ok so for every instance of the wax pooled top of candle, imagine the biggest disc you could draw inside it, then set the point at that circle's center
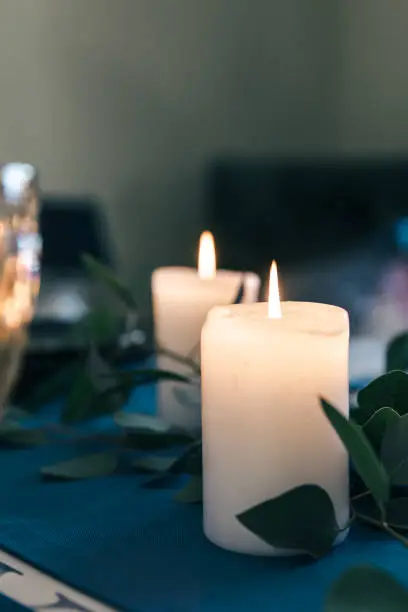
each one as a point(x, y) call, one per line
point(307, 317)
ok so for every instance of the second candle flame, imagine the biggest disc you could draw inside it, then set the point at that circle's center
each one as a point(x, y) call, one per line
point(274, 305)
point(207, 267)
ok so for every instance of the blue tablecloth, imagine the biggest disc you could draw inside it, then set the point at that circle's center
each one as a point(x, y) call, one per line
point(7, 605)
point(140, 550)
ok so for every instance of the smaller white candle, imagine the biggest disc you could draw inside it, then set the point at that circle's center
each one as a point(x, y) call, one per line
point(264, 433)
point(181, 299)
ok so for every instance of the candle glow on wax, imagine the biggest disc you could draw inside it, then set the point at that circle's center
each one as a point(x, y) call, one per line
point(274, 305)
point(207, 267)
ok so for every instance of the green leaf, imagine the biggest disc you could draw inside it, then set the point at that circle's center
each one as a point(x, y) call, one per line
point(100, 326)
point(16, 413)
point(377, 424)
point(189, 397)
point(192, 492)
point(13, 434)
point(301, 519)
point(137, 420)
point(89, 466)
point(189, 462)
point(101, 374)
point(367, 589)
point(388, 390)
point(93, 391)
point(148, 440)
point(394, 451)
point(81, 397)
point(145, 432)
point(361, 452)
point(154, 463)
point(367, 510)
point(396, 512)
point(168, 468)
point(397, 353)
point(107, 277)
point(51, 388)
point(146, 377)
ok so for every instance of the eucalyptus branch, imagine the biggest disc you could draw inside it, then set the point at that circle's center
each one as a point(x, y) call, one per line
point(187, 361)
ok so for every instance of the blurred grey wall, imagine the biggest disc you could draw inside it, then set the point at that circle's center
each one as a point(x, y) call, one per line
point(372, 77)
point(128, 99)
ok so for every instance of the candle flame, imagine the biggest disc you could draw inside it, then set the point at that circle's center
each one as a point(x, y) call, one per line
point(274, 305)
point(207, 267)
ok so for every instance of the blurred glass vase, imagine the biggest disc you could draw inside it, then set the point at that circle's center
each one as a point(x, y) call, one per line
point(20, 252)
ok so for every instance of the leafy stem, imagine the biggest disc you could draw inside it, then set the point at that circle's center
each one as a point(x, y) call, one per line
point(187, 361)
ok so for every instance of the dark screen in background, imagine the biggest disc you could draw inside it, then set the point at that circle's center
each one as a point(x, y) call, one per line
point(70, 228)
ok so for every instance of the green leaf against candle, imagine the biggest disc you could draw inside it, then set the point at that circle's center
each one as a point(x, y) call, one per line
point(142, 376)
point(301, 519)
point(377, 424)
point(361, 453)
point(192, 492)
point(397, 353)
point(145, 432)
point(166, 469)
point(394, 451)
point(88, 466)
point(366, 589)
point(388, 390)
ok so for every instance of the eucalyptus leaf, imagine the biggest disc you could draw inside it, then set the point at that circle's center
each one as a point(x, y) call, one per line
point(81, 468)
point(106, 276)
point(397, 353)
point(394, 451)
point(100, 326)
point(162, 480)
point(16, 414)
point(397, 513)
point(13, 434)
point(192, 492)
point(149, 440)
point(146, 432)
point(302, 519)
point(99, 371)
point(93, 392)
point(167, 468)
point(142, 376)
point(361, 453)
point(366, 508)
point(80, 400)
point(154, 463)
point(377, 424)
point(388, 390)
point(137, 420)
point(50, 388)
point(188, 397)
point(367, 589)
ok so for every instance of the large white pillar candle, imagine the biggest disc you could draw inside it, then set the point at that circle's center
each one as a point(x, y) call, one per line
point(181, 299)
point(263, 429)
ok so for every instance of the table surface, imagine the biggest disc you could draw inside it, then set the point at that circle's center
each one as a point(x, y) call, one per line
point(139, 550)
